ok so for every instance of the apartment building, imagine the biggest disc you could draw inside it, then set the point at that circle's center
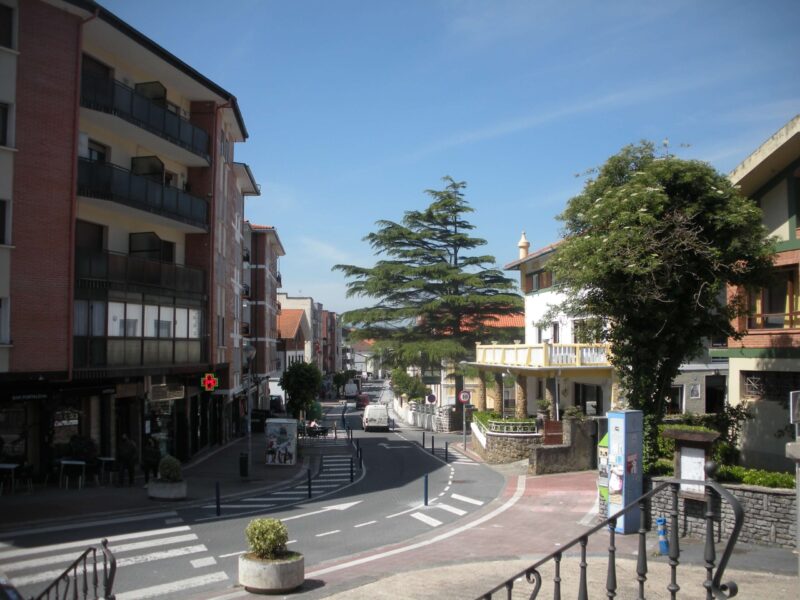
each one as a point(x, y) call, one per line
point(765, 362)
point(313, 312)
point(122, 238)
point(331, 343)
point(261, 307)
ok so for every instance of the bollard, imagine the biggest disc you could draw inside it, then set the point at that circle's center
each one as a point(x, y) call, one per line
point(351, 469)
point(423, 439)
point(334, 431)
point(432, 448)
point(425, 493)
point(445, 451)
point(360, 461)
point(663, 542)
point(358, 445)
point(309, 482)
point(219, 508)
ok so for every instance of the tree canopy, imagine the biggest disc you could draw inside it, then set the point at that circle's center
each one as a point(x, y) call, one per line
point(301, 382)
point(433, 297)
point(649, 246)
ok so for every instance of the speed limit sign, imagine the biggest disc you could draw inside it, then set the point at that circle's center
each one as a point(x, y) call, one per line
point(464, 397)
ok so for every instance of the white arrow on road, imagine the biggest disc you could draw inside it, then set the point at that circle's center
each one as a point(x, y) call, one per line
point(344, 506)
point(394, 446)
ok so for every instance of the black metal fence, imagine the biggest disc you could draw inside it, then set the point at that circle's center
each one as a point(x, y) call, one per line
point(89, 576)
point(713, 584)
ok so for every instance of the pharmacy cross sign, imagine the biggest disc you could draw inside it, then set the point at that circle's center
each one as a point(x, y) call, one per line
point(209, 382)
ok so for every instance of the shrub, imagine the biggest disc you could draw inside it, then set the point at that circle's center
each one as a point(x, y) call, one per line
point(169, 469)
point(574, 412)
point(663, 466)
point(770, 479)
point(267, 538)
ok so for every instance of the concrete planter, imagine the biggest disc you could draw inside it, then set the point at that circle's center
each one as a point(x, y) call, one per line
point(271, 576)
point(167, 490)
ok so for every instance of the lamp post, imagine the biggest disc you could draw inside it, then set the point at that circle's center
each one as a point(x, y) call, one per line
point(249, 352)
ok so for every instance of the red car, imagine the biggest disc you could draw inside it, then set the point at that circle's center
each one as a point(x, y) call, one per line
point(362, 400)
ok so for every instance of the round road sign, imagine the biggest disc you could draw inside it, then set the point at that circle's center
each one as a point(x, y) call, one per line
point(464, 397)
point(431, 398)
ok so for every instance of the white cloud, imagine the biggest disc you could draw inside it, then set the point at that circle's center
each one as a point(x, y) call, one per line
point(321, 251)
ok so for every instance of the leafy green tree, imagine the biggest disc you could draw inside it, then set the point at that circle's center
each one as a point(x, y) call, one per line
point(403, 383)
point(433, 297)
point(301, 382)
point(649, 246)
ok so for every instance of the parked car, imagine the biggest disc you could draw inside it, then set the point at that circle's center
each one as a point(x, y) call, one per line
point(376, 416)
point(362, 400)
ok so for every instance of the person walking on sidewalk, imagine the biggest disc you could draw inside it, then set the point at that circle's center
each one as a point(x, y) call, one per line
point(151, 456)
point(126, 454)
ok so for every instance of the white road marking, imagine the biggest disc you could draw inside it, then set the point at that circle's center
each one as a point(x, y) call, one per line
point(233, 554)
point(173, 521)
point(344, 506)
point(405, 512)
point(49, 560)
point(124, 562)
point(452, 509)
point(448, 534)
point(204, 562)
point(239, 506)
point(426, 519)
point(466, 499)
point(35, 530)
point(590, 516)
point(287, 494)
point(174, 586)
point(329, 533)
point(364, 524)
point(89, 542)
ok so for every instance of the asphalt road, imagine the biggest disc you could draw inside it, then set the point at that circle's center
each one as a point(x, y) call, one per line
point(191, 553)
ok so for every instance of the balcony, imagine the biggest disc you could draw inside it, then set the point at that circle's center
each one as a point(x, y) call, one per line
point(125, 270)
point(245, 290)
point(245, 329)
point(110, 182)
point(121, 354)
point(246, 255)
point(774, 321)
point(118, 100)
point(543, 357)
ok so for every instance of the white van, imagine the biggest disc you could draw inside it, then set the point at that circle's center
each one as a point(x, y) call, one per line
point(376, 416)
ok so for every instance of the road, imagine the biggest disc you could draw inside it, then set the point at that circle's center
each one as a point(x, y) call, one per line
point(190, 552)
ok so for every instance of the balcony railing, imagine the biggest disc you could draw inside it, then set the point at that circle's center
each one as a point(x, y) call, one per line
point(111, 96)
point(790, 320)
point(114, 267)
point(110, 182)
point(543, 355)
point(245, 290)
point(117, 352)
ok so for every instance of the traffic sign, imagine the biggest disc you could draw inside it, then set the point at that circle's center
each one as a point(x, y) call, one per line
point(431, 398)
point(464, 397)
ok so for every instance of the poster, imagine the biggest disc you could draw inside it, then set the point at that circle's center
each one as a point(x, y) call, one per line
point(281, 437)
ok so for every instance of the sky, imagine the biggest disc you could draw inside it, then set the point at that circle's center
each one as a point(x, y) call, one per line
point(356, 107)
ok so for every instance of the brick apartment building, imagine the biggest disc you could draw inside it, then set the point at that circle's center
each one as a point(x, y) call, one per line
point(121, 239)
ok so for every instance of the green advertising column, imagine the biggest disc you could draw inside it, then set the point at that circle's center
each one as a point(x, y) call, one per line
point(602, 468)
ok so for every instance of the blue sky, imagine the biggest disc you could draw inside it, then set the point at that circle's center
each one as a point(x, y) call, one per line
point(355, 107)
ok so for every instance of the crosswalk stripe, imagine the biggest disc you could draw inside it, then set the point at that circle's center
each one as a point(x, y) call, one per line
point(124, 562)
point(298, 494)
point(174, 586)
point(466, 499)
point(452, 509)
point(89, 542)
point(49, 560)
point(426, 519)
point(240, 506)
point(206, 561)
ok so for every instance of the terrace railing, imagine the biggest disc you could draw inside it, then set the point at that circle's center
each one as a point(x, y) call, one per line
point(89, 576)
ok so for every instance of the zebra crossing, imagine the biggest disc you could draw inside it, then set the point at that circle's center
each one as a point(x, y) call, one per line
point(334, 473)
point(31, 569)
point(460, 507)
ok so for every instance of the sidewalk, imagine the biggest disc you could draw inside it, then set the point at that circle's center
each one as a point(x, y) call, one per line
point(219, 465)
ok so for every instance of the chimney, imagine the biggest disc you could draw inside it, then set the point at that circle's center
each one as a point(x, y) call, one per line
point(524, 245)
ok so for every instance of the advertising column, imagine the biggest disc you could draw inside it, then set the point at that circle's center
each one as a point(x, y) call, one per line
point(625, 466)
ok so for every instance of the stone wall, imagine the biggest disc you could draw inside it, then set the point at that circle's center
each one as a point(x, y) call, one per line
point(770, 514)
point(500, 448)
point(575, 454)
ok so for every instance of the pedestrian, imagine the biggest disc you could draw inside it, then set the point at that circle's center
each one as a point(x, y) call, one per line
point(126, 455)
point(151, 456)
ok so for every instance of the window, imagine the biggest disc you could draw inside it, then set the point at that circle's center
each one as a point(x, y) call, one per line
point(3, 209)
point(555, 333)
point(6, 26)
point(3, 124)
point(777, 306)
point(5, 334)
point(98, 152)
point(675, 400)
point(538, 280)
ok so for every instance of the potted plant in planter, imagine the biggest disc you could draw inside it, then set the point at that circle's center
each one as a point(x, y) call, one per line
point(543, 410)
point(169, 485)
point(269, 567)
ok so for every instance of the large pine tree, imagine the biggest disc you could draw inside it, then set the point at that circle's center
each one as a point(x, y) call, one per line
point(433, 297)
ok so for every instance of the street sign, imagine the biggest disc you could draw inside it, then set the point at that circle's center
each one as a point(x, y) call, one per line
point(794, 408)
point(464, 397)
point(431, 398)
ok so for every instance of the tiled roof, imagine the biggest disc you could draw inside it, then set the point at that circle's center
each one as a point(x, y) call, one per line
point(512, 320)
point(532, 255)
point(289, 322)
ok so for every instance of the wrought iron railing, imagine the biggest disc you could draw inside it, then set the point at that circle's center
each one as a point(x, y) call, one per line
point(82, 579)
point(713, 584)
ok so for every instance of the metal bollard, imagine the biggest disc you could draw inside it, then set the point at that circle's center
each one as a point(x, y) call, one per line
point(423, 439)
point(351, 469)
point(360, 461)
point(309, 482)
point(663, 542)
point(425, 493)
point(446, 444)
point(219, 508)
point(334, 431)
point(432, 448)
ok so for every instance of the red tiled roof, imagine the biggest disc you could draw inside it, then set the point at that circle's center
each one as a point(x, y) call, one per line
point(512, 320)
point(289, 321)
